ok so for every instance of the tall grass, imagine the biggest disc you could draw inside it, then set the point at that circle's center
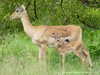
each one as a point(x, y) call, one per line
point(19, 56)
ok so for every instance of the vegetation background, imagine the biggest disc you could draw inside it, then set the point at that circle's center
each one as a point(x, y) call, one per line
point(18, 56)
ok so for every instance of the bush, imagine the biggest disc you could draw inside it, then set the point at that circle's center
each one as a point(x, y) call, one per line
point(92, 18)
point(48, 13)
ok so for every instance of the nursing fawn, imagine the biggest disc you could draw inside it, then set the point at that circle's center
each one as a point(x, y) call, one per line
point(77, 47)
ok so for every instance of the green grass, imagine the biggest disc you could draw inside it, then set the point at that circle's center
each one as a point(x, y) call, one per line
point(19, 56)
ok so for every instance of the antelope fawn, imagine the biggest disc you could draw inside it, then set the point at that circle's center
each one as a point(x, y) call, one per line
point(77, 47)
point(42, 35)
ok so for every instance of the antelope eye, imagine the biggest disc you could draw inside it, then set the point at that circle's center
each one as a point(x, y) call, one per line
point(16, 10)
point(57, 40)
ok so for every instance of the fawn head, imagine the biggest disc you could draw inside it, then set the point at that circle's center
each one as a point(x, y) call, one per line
point(18, 13)
point(58, 40)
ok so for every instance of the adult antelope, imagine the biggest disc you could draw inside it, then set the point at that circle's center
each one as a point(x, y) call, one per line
point(42, 35)
point(77, 47)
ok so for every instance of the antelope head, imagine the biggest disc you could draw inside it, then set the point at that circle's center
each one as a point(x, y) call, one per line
point(18, 13)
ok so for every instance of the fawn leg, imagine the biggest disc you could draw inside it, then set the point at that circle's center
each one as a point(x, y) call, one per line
point(78, 54)
point(63, 62)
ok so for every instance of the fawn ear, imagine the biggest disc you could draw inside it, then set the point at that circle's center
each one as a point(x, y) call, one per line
point(54, 36)
point(67, 40)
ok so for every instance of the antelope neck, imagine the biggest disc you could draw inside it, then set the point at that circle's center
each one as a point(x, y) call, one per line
point(28, 28)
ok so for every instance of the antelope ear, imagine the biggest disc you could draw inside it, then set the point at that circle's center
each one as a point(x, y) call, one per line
point(54, 36)
point(67, 40)
point(23, 7)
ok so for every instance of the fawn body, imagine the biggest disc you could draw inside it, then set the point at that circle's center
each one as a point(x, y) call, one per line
point(77, 47)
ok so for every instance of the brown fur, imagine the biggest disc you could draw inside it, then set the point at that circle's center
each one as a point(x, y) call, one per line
point(76, 47)
point(42, 35)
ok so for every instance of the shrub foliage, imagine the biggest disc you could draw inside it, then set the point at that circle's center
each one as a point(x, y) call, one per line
point(48, 12)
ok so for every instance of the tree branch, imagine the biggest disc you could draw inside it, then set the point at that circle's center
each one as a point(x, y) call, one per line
point(35, 9)
point(27, 4)
point(87, 24)
point(61, 4)
point(91, 3)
